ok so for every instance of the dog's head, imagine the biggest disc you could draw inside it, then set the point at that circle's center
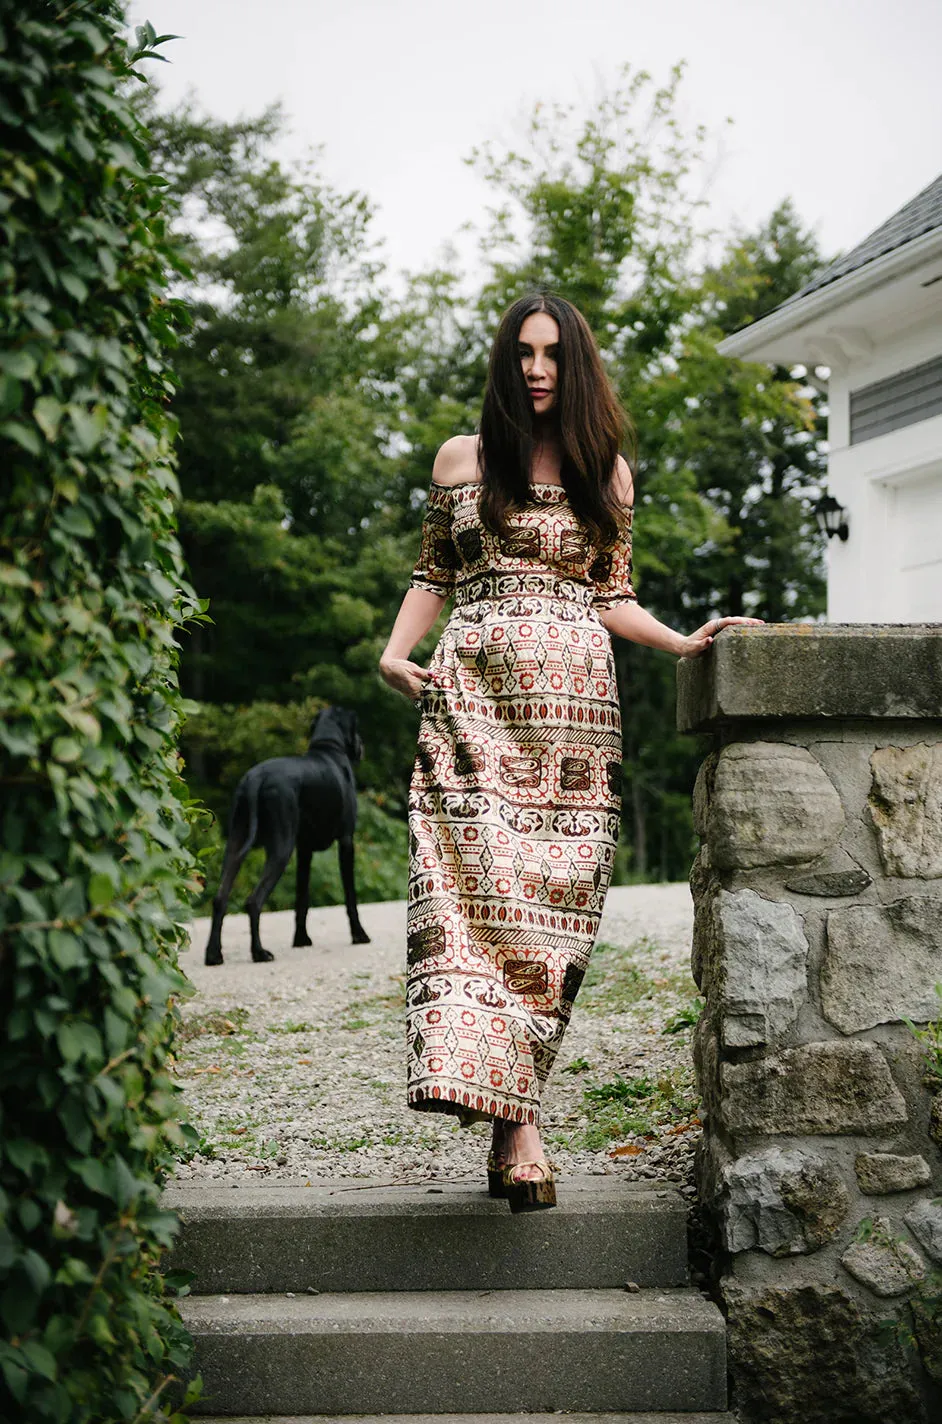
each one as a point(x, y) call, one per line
point(338, 724)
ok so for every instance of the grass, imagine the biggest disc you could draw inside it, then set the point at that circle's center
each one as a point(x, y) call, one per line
point(639, 1106)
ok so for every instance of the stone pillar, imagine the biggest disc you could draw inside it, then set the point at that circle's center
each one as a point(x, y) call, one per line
point(817, 935)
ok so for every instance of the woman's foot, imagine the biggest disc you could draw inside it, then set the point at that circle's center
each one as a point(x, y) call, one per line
point(527, 1178)
point(514, 1142)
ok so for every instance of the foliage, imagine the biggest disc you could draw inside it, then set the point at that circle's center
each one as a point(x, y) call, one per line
point(304, 375)
point(91, 821)
point(596, 206)
point(930, 1036)
point(641, 1105)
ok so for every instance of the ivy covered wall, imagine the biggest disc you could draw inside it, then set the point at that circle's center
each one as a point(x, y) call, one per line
point(92, 827)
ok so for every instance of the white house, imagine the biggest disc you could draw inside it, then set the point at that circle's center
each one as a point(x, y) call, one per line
point(874, 318)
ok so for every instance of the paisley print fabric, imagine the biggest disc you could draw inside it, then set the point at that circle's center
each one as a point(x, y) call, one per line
point(515, 798)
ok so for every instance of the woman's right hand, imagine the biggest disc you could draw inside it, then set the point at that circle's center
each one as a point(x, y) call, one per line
point(404, 676)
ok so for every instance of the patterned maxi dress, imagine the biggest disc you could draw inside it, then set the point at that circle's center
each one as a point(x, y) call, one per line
point(515, 798)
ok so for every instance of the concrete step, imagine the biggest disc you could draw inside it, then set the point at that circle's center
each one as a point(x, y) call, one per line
point(645, 1418)
point(373, 1238)
point(442, 1352)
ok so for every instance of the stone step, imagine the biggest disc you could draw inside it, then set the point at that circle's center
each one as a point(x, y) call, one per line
point(645, 1418)
point(447, 1352)
point(375, 1238)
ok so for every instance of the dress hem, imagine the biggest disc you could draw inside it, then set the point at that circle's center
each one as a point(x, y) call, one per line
point(470, 1107)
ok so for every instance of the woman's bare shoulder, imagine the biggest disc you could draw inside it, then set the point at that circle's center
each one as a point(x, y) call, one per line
point(457, 461)
point(623, 482)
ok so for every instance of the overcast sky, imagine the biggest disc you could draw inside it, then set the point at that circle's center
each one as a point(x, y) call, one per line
point(836, 103)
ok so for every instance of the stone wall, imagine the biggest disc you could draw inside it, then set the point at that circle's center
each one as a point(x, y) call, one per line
point(818, 933)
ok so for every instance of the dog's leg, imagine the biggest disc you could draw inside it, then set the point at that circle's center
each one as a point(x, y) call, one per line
point(230, 869)
point(302, 894)
point(276, 859)
point(345, 849)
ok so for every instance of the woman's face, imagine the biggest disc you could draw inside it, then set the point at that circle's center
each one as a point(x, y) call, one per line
point(538, 345)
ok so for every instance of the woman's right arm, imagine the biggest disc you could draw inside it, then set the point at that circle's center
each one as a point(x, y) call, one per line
point(433, 578)
point(417, 614)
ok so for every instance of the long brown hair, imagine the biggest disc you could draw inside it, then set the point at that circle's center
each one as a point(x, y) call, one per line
point(592, 423)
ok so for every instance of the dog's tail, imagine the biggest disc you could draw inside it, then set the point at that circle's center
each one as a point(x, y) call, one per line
point(247, 790)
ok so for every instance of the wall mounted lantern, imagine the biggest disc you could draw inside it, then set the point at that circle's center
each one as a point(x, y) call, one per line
point(831, 517)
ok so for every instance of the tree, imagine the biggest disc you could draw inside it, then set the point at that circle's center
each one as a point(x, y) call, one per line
point(596, 208)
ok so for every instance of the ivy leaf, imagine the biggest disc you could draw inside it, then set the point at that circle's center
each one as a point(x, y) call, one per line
point(47, 412)
point(39, 1359)
point(100, 891)
point(24, 436)
point(66, 749)
point(11, 394)
point(88, 425)
point(74, 286)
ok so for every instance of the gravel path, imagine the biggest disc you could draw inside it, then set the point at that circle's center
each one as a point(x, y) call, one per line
point(295, 1070)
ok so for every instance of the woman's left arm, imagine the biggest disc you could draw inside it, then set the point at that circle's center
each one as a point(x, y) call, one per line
point(616, 602)
point(629, 620)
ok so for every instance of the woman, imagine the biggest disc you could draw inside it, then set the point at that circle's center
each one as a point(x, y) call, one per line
point(514, 805)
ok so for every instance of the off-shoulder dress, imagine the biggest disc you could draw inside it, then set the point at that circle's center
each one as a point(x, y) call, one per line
point(514, 801)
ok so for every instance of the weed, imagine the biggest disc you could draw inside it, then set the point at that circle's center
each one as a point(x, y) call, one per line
point(291, 1027)
point(578, 1065)
point(217, 1023)
point(639, 1105)
point(685, 1017)
point(931, 1039)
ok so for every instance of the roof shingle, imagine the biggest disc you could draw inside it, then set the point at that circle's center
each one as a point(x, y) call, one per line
point(921, 214)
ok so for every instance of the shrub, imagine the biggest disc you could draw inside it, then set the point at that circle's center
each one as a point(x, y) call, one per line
point(93, 862)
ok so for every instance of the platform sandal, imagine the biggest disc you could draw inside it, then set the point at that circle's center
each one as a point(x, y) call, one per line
point(495, 1174)
point(529, 1194)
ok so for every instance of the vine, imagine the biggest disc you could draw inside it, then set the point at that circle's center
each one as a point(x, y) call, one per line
point(93, 865)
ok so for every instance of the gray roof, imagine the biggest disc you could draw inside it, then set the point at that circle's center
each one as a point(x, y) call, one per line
point(921, 214)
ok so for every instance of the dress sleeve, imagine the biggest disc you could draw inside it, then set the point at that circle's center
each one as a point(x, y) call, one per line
point(611, 570)
point(438, 559)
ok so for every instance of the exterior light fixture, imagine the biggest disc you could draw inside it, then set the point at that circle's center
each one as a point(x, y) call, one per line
point(831, 517)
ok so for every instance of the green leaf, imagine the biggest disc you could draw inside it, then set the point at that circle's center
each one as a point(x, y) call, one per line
point(74, 286)
point(39, 1359)
point(48, 192)
point(47, 412)
point(66, 949)
point(89, 426)
point(18, 363)
point(11, 394)
point(66, 749)
point(100, 891)
point(24, 436)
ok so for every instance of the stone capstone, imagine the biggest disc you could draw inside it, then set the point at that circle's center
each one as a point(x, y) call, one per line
point(783, 1202)
point(769, 804)
point(756, 966)
point(925, 1222)
point(881, 962)
point(879, 1172)
point(829, 1087)
point(823, 672)
point(885, 1265)
point(811, 1354)
point(906, 807)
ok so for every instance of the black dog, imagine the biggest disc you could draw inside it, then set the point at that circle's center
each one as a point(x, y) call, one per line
point(310, 800)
